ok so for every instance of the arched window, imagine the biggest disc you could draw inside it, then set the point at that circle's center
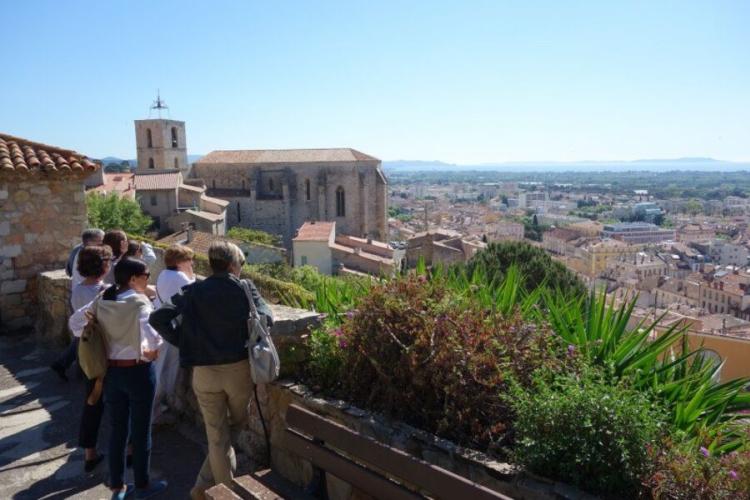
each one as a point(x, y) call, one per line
point(150, 163)
point(213, 183)
point(239, 213)
point(176, 163)
point(340, 202)
point(307, 189)
point(174, 137)
point(243, 185)
point(149, 140)
point(270, 185)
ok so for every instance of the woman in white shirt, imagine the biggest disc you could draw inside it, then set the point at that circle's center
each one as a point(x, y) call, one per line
point(132, 345)
point(178, 260)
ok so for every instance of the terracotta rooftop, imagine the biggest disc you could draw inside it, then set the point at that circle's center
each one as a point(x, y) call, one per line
point(286, 156)
point(200, 241)
point(154, 182)
point(315, 231)
point(121, 184)
point(21, 157)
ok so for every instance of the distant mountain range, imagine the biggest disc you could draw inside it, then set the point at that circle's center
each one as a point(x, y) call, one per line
point(655, 165)
point(134, 163)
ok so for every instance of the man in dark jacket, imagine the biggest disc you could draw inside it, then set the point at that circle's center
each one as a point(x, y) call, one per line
point(212, 337)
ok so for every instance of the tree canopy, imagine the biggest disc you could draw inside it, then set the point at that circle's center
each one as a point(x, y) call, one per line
point(535, 265)
point(113, 212)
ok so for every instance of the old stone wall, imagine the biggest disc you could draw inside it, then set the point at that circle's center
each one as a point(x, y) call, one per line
point(40, 222)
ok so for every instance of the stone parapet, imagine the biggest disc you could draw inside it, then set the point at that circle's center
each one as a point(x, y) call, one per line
point(476, 466)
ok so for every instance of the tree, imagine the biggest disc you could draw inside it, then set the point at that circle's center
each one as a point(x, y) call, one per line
point(535, 221)
point(535, 265)
point(113, 212)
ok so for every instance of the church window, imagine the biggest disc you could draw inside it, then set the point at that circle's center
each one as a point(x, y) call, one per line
point(307, 189)
point(174, 137)
point(270, 185)
point(243, 185)
point(340, 202)
point(150, 163)
point(176, 163)
point(153, 200)
point(149, 140)
point(213, 183)
point(239, 213)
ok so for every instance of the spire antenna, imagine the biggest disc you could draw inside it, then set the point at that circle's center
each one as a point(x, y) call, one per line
point(158, 104)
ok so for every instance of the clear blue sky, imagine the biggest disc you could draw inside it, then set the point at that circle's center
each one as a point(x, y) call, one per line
point(458, 81)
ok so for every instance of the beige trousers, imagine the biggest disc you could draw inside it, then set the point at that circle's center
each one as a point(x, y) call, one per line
point(223, 393)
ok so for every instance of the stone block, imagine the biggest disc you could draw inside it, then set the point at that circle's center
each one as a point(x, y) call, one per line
point(10, 250)
point(3, 194)
point(13, 286)
point(21, 196)
point(40, 190)
point(4, 228)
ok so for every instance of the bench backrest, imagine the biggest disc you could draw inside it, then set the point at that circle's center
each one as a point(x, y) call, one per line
point(328, 435)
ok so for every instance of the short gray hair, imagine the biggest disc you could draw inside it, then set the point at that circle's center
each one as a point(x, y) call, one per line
point(222, 254)
point(91, 234)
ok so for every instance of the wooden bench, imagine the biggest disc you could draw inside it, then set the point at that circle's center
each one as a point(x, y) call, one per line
point(368, 465)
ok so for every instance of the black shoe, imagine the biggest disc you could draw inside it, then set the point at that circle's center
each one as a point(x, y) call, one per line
point(129, 461)
point(60, 371)
point(90, 465)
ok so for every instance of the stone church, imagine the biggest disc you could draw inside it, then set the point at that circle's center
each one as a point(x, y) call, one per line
point(279, 190)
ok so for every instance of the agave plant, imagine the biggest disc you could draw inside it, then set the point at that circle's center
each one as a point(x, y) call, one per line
point(659, 362)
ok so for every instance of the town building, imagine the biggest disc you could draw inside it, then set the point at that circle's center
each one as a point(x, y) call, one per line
point(277, 191)
point(42, 215)
point(317, 244)
point(532, 199)
point(440, 246)
point(637, 232)
point(693, 233)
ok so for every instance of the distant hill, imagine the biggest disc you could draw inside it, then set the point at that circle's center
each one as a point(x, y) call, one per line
point(654, 165)
point(134, 163)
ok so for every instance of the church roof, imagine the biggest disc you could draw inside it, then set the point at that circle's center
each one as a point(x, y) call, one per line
point(315, 231)
point(21, 157)
point(286, 156)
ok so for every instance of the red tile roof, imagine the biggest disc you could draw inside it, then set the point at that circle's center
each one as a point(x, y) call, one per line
point(121, 184)
point(315, 231)
point(287, 156)
point(155, 182)
point(21, 157)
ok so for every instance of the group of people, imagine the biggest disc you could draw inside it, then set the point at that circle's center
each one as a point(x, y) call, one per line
point(149, 332)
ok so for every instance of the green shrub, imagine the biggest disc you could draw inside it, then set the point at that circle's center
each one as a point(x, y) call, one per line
point(412, 350)
point(685, 471)
point(680, 378)
point(534, 264)
point(253, 236)
point(586, 430)
point(324, 357)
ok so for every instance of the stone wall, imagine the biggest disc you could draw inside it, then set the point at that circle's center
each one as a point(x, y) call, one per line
point(41, 221)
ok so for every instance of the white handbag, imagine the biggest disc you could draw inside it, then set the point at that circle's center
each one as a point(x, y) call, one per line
point(264, 359)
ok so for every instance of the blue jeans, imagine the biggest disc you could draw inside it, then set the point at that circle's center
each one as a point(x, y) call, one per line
point(129, 398)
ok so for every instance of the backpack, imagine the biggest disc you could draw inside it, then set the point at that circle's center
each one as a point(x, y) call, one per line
point(264, 359)
point(92, 347)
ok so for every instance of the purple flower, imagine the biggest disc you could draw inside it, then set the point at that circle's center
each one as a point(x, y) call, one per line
point(342, 344)
point(704, 451)
point(349, 314)
point(733, 474)
point(571, 349)
point(337, 332)
point(422, 278)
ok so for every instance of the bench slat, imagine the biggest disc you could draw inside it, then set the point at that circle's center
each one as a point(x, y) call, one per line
point(436, 480)
point(346, 470)
point(221, 492)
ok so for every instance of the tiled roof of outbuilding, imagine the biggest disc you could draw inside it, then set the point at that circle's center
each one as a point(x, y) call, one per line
point(157, 181)
point(21, 157)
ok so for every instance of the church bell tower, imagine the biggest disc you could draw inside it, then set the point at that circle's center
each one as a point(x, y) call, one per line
point(160, 143)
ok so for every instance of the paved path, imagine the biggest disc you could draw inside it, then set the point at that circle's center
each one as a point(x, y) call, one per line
point(39, 418)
